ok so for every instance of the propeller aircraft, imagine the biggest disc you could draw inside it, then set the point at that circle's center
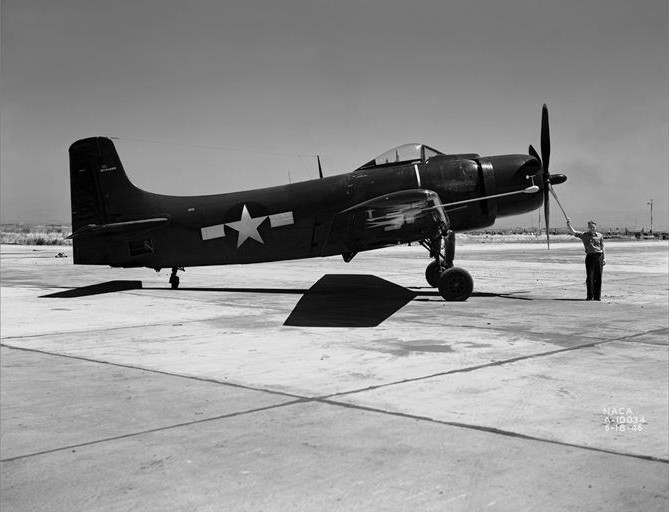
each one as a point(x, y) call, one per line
point(411, 193)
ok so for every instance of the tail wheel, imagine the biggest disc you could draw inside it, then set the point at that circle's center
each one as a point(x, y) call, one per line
point(432, 273)
point(455, 284)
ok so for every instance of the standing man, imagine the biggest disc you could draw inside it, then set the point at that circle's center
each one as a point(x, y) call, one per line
point(594, 258)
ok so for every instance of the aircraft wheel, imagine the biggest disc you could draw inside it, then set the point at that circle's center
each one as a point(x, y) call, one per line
point(455, 284)
point(432, 273)
point(174, 282)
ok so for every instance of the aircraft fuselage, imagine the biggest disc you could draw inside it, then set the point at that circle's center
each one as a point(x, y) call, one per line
point(299, 220)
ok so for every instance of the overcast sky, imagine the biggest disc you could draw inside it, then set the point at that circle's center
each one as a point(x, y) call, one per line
point(264, 84)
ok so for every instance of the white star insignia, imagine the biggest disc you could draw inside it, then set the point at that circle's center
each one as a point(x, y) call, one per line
point(247, 227)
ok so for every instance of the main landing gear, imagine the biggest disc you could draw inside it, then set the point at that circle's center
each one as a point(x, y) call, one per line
point(454, 283)
point(174, 278)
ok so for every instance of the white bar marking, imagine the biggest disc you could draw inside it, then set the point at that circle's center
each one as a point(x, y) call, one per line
point(281, 219)
point(209, 232)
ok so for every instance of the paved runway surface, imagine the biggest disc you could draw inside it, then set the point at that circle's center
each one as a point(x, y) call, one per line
point(127, 398)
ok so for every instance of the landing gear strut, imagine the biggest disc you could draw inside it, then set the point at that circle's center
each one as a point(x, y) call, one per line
point(174, 278)
point(454, 283)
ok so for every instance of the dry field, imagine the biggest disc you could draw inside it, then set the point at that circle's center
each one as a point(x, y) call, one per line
point(35, 234)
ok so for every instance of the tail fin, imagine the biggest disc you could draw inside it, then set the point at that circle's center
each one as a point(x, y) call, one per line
point(100, 190)
point(106, 207)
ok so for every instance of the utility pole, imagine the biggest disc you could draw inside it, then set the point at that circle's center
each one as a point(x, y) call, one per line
point(651, 215)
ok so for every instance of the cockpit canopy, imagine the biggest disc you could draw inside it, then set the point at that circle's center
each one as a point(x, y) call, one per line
point(402, 154)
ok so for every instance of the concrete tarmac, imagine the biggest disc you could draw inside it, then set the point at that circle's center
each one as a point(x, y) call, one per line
point(525, 397)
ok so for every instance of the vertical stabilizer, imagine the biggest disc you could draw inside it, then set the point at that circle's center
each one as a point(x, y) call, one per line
point(101, 194)
point(100, 189)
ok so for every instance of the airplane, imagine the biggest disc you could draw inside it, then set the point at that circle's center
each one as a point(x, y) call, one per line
point(411, 193)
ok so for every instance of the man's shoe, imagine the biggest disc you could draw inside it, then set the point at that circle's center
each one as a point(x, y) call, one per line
point(588, 298)
point(598, 300)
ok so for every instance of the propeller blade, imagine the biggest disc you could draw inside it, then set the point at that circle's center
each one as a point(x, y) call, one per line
point(546, 157)
point(533, 152)
point(547, 215)
point(545, 139)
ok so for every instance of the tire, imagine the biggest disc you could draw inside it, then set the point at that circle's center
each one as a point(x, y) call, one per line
point(432, 273)
point(455, 284)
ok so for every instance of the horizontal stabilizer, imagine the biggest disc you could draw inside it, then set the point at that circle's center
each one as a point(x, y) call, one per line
point(118, 227)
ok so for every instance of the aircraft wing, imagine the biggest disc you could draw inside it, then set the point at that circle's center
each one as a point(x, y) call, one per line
point(393, 211)
point(389, 219)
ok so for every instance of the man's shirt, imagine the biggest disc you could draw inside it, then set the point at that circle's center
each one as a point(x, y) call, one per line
point(593, 242)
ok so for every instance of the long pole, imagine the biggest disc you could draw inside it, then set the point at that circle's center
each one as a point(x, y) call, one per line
point(651, 216)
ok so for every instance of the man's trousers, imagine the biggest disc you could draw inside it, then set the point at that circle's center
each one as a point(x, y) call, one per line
point(594, 264)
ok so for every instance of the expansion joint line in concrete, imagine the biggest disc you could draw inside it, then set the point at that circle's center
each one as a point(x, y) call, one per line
point(494, 363)
point(154, 430)
point(328, 399)
point(158, 372)
point(490, 430)
point(104, 329)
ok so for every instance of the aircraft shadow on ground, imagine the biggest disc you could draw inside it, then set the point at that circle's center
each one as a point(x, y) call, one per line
point(335, 300)
point(438, 298)
point(96, 289)
point(338, 300)
point(293, 291)
point(349, 300)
